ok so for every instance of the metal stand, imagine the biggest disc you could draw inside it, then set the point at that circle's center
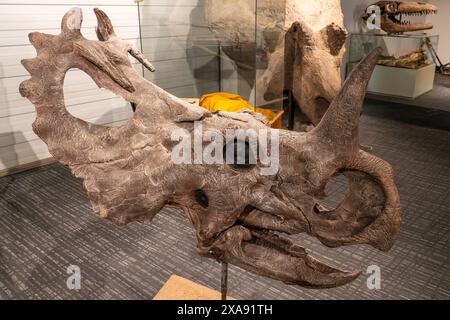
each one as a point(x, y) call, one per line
point(291, 58)
point(291, 111)
point(224, 281)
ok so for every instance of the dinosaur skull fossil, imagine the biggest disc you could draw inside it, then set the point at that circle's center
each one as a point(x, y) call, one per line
point(303, 39)
point(238, 213)
point(393, 12)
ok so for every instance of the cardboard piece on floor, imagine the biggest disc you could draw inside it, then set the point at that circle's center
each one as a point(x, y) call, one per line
point(179, 288)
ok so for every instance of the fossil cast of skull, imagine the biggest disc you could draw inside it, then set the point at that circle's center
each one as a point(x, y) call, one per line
point(239, 214)
point(394, 15)
point(300, 39)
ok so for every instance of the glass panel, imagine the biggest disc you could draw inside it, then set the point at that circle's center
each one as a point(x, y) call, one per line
point(206, 46)
point(270, 31)
point(395, 47)
point(178, 41)
point(233, 23)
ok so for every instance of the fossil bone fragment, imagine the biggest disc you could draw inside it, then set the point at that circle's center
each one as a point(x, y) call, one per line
point(238, 213)
point(393, 15)
point(303, 38)
point(414, 60)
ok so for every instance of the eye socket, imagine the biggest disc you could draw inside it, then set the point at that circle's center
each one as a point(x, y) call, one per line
point(391, 7)
point(201, 198)
point(239, 155)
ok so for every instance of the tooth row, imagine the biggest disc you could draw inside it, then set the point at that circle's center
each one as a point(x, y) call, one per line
point(419, 13)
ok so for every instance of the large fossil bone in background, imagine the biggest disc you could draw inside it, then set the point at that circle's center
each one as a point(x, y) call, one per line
point(237, 212)
point(314, 33)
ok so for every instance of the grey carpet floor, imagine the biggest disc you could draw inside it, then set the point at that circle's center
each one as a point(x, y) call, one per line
point(46, 224)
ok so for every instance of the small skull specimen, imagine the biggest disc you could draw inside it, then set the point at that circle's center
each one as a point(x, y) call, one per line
point(393, 15)
point(299, 47)
point(238, 213)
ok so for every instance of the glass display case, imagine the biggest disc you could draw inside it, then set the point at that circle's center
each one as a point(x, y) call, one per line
point(205, 47)
point(401, 51)
point(177, 40)
point(406, 67)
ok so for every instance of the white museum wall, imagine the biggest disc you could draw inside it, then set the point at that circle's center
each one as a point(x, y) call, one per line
point(353, 10)
point(167, 27)
point(441, 23)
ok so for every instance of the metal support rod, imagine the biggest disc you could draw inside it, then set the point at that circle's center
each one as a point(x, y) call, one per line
point(224, 281)
point(291, 111)
point(219, 63)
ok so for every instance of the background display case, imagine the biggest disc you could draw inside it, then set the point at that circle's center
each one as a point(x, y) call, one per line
point(197, 50)
point(406, 67)
point(177, 40)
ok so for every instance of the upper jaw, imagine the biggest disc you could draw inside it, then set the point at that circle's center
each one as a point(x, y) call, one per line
point(416, 8)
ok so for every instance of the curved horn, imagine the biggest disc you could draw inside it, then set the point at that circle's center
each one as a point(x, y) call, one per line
point(71, 22)
point(340, 123)
point(104, 28)
point(139, 56)
point(105, 31)
point(370, 213)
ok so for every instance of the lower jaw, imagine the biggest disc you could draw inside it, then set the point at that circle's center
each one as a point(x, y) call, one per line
point(411, 27)
point(271, 256)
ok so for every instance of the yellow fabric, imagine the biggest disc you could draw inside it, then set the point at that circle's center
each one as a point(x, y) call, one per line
point(230, 102)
